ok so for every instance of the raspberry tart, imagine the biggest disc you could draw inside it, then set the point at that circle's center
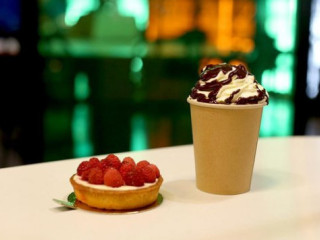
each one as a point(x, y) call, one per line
point(112, 184)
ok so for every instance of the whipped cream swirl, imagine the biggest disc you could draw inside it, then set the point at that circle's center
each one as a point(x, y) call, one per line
point(228, 84)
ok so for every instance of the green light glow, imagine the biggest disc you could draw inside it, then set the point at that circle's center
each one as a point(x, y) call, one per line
point(277, 118)
point(267, 80)
point(280, 79)
point(139, 9)
point(82, 145)
point(81, 86)
point(136, 71)
point(136, 64)
point(139, 136)
point(78, 8)
point(280, 23)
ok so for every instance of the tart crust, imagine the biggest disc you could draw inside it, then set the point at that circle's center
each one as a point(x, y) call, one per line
point(116, 199)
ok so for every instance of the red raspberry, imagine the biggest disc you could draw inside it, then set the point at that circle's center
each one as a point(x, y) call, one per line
point(142, 164)
point(138, 180)
point(104, 164)
point(148, 174)
point(105, 169)
point(113, 178)
point(94, 162)
point(86, 165)
point(128, 177)
point(95, 176)
point(125, 168)
point(134, 178)
point(85, 174)
point(112, 161)
point(83, 166)
point(155, 169)
point(128, 160)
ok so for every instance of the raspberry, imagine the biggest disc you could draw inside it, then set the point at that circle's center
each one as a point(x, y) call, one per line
point(104, 164)
point(85, 174)
point(134, 178)
point(83, 166)
point(128, 160)
point(128, 177)
point(142, 164)
point(94, 162)
point(104, 169)
point(95, 176)
point(138, 179)
point(112, 161)
point(155, 169)
point(86, 165)
point(149, 175)
point(125, 168)
point(113, 178)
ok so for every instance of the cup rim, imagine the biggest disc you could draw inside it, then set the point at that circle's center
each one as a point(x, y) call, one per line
point(225, 106)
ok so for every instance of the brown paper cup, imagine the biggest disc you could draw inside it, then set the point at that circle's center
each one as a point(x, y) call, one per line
point(225, 140)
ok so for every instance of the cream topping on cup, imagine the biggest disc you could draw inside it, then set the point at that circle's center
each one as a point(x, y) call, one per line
point(228, 84)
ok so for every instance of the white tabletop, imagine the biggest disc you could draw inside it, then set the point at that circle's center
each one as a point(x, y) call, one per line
point(284, 202)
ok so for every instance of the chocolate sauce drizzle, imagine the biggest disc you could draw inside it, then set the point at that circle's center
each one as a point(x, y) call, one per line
point(212, 71)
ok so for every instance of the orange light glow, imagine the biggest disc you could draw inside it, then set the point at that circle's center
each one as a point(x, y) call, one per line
point(225, 26)
point(169, 19)
point(229, 25)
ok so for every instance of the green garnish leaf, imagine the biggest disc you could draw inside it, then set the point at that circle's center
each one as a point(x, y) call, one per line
point(71, 203)
point(160, 198)
point(72, 198)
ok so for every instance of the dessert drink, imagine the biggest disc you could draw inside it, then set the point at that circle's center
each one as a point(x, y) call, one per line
point(226, 106)
point(114, 185)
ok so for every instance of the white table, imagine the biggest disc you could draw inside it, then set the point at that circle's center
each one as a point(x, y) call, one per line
point(284, 202)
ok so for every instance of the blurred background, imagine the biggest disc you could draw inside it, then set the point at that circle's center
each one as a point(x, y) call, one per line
point(88, 77)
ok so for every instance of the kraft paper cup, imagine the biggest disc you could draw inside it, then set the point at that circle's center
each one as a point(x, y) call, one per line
point(225, 140)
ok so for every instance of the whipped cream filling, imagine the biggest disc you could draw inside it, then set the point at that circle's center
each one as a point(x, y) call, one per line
point(78, 180)
point(228, 84)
